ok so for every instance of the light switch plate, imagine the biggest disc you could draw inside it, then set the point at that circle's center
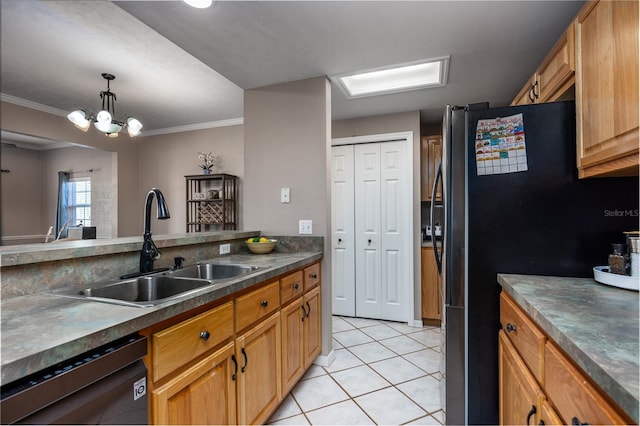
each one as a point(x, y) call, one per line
point(305, 227)
point(285, 195)
point(225, 248)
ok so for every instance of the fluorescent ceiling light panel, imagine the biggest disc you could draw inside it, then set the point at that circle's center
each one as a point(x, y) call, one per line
point(413, 76)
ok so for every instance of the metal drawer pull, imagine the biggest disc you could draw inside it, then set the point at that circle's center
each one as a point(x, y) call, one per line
point(531, 413)
point(235, 372)
point(314, 276)
point(264, 303)
point(296, 286)
point(246, 360)
point(576, 422)
point(309, 311)
point(511, 327)
point(204, 335)
point(304, 312)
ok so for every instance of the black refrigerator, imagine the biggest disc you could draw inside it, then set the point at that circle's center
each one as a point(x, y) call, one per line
point(525, 216)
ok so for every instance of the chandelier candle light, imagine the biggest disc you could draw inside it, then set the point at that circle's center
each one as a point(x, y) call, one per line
point(105, 120)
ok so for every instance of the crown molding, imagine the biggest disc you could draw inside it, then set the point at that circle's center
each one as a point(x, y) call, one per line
point(187, 128)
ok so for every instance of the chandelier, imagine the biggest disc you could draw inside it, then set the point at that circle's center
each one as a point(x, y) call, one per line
point(105, 120)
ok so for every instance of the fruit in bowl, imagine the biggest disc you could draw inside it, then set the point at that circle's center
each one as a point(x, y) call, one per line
point(261, 245)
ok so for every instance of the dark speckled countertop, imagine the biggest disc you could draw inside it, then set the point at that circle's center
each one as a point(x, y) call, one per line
point(596, 325)
point(40, 330)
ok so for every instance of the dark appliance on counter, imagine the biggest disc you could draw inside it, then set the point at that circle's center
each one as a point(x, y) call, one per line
point(105, 386)
point(543, 221)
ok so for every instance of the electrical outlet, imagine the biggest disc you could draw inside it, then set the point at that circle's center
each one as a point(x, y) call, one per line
point(225, 248)
point(305, 227)
point(285, 194)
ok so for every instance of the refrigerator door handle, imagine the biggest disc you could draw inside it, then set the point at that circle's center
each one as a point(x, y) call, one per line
point(436, 253)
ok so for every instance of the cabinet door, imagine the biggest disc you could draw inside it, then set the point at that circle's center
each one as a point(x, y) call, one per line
point(520, 395)
point(556, 74)
point(312, 326)
point(607, 88)
point(259, 384)
point(292, 317)
point(431, 286)
point(203, 394)
point(430, 157)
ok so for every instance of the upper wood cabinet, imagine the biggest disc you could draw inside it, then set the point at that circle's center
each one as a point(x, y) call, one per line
point(607, 88)
point(555, 76)
point(430, 157)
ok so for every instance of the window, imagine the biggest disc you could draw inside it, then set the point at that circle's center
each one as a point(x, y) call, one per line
point(79, 210)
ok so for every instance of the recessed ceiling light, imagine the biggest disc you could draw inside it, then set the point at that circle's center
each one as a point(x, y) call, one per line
point(399, 78)
point(200, 4)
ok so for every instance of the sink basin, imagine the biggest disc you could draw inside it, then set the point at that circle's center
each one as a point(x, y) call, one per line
point(141, 291)
point(162, 287)
point(213, 271)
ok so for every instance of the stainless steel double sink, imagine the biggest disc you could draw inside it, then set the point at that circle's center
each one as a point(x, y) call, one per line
point(161, 287)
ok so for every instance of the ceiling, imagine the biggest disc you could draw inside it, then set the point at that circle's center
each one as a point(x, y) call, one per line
point(180, 68)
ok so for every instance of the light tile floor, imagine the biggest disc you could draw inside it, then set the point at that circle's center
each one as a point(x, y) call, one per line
point(383, 373)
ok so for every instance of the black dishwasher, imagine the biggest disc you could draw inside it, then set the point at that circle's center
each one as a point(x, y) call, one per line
point(107, 385)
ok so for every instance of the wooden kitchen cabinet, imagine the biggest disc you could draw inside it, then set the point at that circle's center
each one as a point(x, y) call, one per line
point(555, 76)
point(520, 396)
point(312, 327)
point(259, 380)
point(430, 157)
point(607, 88)
point(533, 371)
point(227, 364)
point(431, 286)
point(301, 327)
point(203, 394)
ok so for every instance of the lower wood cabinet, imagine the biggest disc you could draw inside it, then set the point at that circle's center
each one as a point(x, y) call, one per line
point(234, 363)
point(431, 286)
point(520, 395)
point(259, 385)
point(203, 394)
point(539, 383)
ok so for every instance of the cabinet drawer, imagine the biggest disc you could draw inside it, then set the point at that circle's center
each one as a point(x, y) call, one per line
point(572, 394)
point(291, 287)
point(524, 334)
point(311, 276)
point(258, 304)
point(178, 345)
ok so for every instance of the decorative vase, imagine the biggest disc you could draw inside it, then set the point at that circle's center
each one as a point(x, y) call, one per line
point(206, 171)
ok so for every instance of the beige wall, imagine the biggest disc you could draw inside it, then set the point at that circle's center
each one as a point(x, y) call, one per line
point(287, 143)
point(391, 123)
point(28, 121)
point(21, 210)
point(166, 159)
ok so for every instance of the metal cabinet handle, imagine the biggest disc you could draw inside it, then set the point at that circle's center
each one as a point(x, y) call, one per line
point(576, 422)
point(235, 371)
point(309, 311)
point(246, 360)
point(535, 94)
point(339, 240)
point(304, 312)
point(369, 241)
point(511, 327)
point(531, 94)
point(296, 286)
point(204, 335)
point(314, 276)
point(264, 303)
point(531, 413)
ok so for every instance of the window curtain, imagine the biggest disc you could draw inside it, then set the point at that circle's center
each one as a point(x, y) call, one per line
point(62, 211)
